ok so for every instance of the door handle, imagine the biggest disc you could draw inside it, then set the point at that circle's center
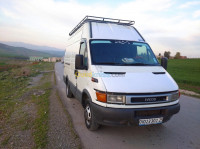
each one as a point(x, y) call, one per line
point(76, 73)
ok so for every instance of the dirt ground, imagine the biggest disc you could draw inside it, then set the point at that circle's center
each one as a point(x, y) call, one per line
point(61, 132)
point(18, 131)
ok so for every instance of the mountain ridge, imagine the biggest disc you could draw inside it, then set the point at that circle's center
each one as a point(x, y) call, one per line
point(20, 52)
point(51, 50)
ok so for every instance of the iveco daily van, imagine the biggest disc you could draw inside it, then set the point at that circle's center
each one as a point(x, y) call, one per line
point(114, 73)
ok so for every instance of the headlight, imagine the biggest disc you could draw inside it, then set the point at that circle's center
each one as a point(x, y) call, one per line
point(175, 96)
point(115, 98)
point(108, 98)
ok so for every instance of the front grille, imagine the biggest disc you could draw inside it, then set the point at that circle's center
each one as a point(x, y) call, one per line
point(148, 99)
point(149, 113)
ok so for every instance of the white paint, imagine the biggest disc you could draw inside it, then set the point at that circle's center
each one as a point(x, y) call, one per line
point(138, 79)
point(114, 31)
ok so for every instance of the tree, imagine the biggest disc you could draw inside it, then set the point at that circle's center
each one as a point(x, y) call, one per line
point(178, 55)
point(167, 54)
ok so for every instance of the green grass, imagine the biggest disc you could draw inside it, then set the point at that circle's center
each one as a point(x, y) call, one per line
point(11, 90)
point(13, 86)
point(186, 73)
point(41, 122)
point(2, 63)
point(41, 66)
point(6, 140)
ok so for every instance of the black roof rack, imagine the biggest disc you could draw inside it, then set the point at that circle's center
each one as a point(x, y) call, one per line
point(101, 19)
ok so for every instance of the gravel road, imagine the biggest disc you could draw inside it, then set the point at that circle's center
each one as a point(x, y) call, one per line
point(182, 131)
point(61, 134)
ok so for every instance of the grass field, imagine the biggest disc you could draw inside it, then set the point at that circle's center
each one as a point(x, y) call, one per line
point(186, 72)
point(24, 109)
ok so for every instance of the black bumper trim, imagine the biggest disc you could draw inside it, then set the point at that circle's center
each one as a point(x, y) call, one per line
point(127, 116)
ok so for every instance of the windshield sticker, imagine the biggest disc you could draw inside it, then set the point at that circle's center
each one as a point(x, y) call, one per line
point(128, 60)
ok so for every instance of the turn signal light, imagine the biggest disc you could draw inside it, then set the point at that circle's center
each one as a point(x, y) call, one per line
point(94, 80)
point(101, 97)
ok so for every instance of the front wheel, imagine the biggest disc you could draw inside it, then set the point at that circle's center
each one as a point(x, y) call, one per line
point(89, 118)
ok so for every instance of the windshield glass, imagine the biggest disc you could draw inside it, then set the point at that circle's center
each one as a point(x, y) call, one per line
point(118, 52)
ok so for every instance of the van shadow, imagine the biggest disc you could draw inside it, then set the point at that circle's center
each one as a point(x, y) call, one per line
point(139, 136)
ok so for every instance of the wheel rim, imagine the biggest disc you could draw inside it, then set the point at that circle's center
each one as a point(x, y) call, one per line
point(88, 114)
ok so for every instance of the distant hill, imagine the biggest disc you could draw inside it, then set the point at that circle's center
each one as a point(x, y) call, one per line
point(20, 52)
point(54, 51)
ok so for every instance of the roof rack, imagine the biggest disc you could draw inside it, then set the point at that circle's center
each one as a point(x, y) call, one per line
point(101, 19)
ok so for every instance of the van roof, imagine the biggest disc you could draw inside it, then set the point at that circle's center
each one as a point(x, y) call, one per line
point(102, 20)
point(108, 28)
point(114, 31)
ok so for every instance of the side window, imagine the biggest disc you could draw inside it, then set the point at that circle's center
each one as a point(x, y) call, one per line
point(85, 62)
point(82, 48)
point(83, 51)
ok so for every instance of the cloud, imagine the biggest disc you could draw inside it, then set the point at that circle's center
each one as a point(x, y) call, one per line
point(9, 14)
point(196, 14)
point(48, 22)
point(51, 20)
point(189, 4)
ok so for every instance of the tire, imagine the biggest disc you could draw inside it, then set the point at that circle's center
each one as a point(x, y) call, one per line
point(89, 118)
point(68, 91)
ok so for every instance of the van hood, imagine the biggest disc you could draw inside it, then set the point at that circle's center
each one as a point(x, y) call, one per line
point(136, 79)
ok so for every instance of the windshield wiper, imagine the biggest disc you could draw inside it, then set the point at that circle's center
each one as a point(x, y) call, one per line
point(137, 64)
point(108, 63)
point(124, 64)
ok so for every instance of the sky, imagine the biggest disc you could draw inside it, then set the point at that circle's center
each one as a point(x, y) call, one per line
point(167, 25)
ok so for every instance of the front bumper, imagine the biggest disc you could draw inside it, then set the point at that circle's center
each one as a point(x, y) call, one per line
point(130, 116)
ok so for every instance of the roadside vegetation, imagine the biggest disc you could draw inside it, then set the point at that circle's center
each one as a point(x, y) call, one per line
point(41, 99)
point(23, 105)
point(186, 72)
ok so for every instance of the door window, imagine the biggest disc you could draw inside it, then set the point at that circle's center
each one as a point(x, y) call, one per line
point(83, 51)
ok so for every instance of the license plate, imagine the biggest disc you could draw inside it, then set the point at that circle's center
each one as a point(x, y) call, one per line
point(150, 121)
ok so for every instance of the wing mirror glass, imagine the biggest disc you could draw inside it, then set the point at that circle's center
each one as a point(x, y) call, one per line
point(79, 62)
point(164, 61)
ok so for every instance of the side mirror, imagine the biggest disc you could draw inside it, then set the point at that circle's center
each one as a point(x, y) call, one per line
point(164, 62)
point(79, 62)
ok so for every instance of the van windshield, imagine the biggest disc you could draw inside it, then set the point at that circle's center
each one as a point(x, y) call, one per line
point(118, 52)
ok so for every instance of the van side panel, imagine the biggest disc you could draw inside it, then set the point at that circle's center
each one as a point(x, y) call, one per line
point(86, 31)
point(72, 49)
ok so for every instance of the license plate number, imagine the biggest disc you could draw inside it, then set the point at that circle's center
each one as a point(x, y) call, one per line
point(150, 121)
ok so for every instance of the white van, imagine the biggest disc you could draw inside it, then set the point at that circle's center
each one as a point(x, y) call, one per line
point(110, 68)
